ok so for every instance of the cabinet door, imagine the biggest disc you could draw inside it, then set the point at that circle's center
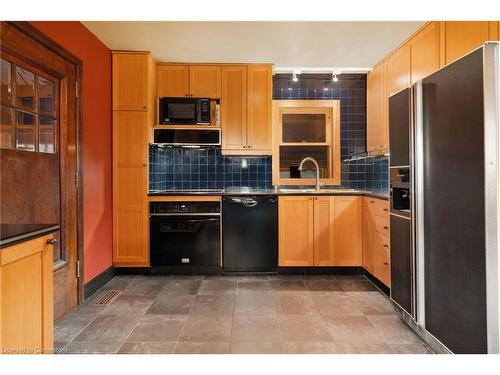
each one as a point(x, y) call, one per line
point(130, 81)
point(381, 259)
point(234, 108)
point(130, 220)
point(205, 81)
point(296, 227)
point(424, 52)
point(375, 109)
point(397, 70)
point(461, 37)
point(173, 80)
point(259, 107)
point(348, 231)
point(323, 231)
point(369, 236)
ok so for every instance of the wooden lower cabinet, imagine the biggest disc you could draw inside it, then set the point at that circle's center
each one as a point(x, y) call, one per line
point(376, 240)
point(27, 297)
point(320, 231)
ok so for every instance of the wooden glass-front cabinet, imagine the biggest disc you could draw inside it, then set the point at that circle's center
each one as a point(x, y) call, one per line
point(197, 80)
point(246, 109)
point(306, 128)
point(320, 231)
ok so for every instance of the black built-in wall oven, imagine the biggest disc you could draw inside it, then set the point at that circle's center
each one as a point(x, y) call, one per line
point(185, 234)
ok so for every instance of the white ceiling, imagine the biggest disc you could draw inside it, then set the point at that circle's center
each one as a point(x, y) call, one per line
point(285, 44)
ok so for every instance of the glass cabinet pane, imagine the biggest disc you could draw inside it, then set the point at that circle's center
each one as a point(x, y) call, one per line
point(291, 156)
point(25, 88)
point(25, 139)
point(46, 95)
point(6, 127)
point(46, 136)
point(304, 127)
point(6, 81)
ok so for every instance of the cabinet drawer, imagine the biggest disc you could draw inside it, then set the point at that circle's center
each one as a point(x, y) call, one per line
point(379, 207)
point(381, 262)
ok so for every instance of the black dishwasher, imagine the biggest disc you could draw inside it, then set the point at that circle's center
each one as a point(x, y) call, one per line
point(250, 233)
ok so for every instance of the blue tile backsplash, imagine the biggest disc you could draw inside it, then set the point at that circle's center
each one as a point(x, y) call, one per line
point(173, 168)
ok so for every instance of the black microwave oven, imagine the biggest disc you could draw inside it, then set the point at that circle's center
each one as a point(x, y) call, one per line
point(184, 111)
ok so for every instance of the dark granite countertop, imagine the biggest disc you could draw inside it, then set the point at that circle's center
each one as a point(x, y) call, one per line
point(378, 193)
point(11, 234)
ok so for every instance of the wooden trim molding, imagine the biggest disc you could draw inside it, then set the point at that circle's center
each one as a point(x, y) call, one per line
point(99, 281)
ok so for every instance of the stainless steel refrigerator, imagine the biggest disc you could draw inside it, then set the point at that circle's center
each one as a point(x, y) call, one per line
point(451, 264)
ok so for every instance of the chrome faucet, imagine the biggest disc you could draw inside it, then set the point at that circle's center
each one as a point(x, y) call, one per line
point(317, 168)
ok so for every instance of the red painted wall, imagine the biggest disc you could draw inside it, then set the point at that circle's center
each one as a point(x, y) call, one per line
point(97, 198)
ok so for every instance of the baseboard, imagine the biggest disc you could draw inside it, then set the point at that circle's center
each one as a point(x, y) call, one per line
point(98, 282)
point(379, 284)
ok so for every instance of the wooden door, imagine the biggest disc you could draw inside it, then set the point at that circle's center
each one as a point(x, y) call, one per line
point(51, 166)
point(234, 107)
point(205, 81)
point(296, 230)
point(425, 52)
point(324, 218)
point(461, 37)
point(130, 81)
point(259, 132)
point(375, 109)
point(173, 80)
point(348, 231)
point(130, 181)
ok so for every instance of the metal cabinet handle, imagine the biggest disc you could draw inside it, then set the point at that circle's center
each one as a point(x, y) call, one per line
point(386, 264)
point(316, 198)
point(386, 246)
point(385, 209)
point(51, 241)
point(372, 201)
point(386, 227)
point(144, 107)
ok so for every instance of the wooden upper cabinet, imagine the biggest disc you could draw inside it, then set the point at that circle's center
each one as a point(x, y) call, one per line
point(397, 70)
point(324, 218)
point(425, 52)
point(234, 107)
point(376, 115)
point(173, 80)
point(130, 218)
point(296, 230)
point(130, 81)
point(461, 37)
point(259, 108)
point(348, 231)
point(205, 81)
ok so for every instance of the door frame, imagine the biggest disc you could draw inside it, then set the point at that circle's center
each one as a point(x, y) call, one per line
point(38, 36)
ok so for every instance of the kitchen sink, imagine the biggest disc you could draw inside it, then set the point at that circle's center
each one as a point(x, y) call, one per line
point(320, 191)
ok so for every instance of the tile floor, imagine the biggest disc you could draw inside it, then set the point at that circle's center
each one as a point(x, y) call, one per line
point(238, 314)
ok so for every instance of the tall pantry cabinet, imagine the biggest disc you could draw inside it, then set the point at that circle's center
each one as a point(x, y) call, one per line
point(134, 89)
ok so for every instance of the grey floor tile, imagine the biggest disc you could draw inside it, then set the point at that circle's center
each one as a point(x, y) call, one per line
point(255, 329)
point(290, 304)
point(353, 329)
point(202, 348)
point(213, 305)
point(172, 304)
point(303, 328)
point(258, 348)
point(362, 348)
point(108, 328)
point(146, 285)
point(322, 285)
point(147, 348)
point(393, 330)
point(158, 328)
point(336, 303)
point(217, 286)
point(183, 286)
point(311, 347)
point(128, 304)
point(207, 328)
point(349, 285)
point(412, 348)
point(252, 286)
point(372, 303)
point(70, 326)
point(255, 304)
point(120, 282)
point(288, 285)
point(91, 347)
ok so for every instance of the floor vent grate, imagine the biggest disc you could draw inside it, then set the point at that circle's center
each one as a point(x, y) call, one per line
point(106, 298)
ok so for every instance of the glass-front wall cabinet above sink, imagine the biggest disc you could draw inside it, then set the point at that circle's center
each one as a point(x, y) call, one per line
point(306, 128)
